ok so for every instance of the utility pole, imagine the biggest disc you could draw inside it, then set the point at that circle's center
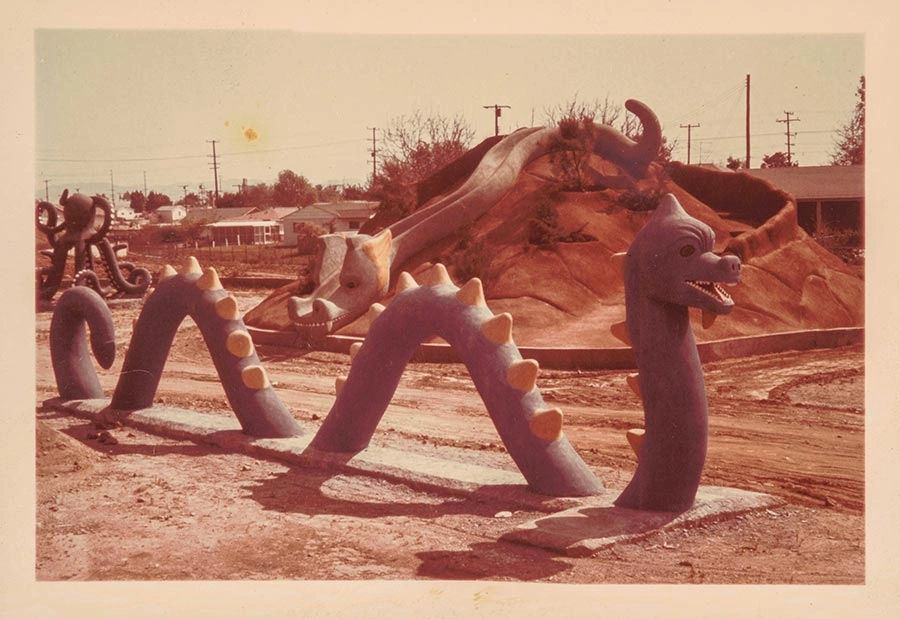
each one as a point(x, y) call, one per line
point(215, 166)
point(374, 151)
point(497, 113)
point(184, 188)
point(112, 187)
point(145, 182)
point(747, 122)
point(47, 189)
point(788, 135)
point(689, 127)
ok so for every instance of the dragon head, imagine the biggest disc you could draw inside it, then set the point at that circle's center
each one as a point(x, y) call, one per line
point(675, 263)
point(350, 275)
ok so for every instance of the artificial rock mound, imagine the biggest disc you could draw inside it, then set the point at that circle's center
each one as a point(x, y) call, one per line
point(545, 256)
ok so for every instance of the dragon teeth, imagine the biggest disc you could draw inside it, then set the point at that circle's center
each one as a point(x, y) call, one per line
point(712, 289)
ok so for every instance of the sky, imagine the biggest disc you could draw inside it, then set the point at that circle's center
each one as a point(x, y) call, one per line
point(129, 109)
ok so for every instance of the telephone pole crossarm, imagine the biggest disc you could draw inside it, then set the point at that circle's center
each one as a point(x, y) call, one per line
point(788, 135)
point(215, 166)
point(497, 113)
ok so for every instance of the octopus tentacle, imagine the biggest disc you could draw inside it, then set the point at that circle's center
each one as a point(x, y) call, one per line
point(50, 229)
point(138, 280)
point(89, 278)
point(103, 204)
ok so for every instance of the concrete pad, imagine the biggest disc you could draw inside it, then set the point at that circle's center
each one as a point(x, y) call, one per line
point(585, 530)
point(577, 526)
point(415, 470)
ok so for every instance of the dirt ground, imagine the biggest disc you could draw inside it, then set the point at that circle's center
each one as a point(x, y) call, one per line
point(144, 507)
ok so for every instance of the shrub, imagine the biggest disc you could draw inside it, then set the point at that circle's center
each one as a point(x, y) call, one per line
point(639, 200)
point(544, 229)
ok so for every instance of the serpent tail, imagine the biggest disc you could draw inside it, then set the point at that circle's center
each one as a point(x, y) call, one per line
point(75, 375)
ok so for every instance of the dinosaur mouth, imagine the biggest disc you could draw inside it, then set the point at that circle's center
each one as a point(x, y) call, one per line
point(711, 289)
point(308, 323)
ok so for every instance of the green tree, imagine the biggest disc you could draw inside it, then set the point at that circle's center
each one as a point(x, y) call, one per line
point(191, 200)
point(156, 200)
point(734, 163)
point(329, 193)
point(355, 192)
point(230, 200)
point(293, 189)
point(850, 146)
point(415, 147)
point(259, 195)
point(136, 200)
point(778, 160)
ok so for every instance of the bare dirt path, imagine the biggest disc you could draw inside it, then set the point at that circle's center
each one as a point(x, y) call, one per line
point(153, 508)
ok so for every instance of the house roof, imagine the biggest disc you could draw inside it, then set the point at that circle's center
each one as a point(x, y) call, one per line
point(215, 214)
point(816, 182)
point(242, 223)
point(276, 213)
point(327, 211)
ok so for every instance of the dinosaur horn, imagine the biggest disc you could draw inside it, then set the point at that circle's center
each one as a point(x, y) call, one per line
point(668, 207)
point(648, 145)
point(378, 249)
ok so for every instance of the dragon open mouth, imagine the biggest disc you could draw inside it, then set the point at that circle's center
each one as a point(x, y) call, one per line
point(711, 289)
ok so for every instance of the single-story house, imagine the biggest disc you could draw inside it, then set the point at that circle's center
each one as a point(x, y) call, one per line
point(245, 232)
point(259, 226)
point(170, 214)
point(125, 213)
point(828, 197)
point(344, 217)
point(209, 214)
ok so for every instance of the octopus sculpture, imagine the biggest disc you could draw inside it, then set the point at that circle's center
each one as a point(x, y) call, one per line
point(79, 232)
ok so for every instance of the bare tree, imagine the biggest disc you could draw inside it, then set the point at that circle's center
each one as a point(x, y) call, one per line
point(600, 112)
point(415, 147)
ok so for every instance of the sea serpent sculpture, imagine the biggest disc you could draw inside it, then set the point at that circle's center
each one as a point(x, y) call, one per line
point(77, 232)
point(669, 267)
point(531, 431)
point(355, 272)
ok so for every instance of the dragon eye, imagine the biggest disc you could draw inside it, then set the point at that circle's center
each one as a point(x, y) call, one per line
point(351, 285)
point(687, 250)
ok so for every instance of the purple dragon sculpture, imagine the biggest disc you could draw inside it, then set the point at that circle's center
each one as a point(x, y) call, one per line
point(668, 268)
point(78, 232)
